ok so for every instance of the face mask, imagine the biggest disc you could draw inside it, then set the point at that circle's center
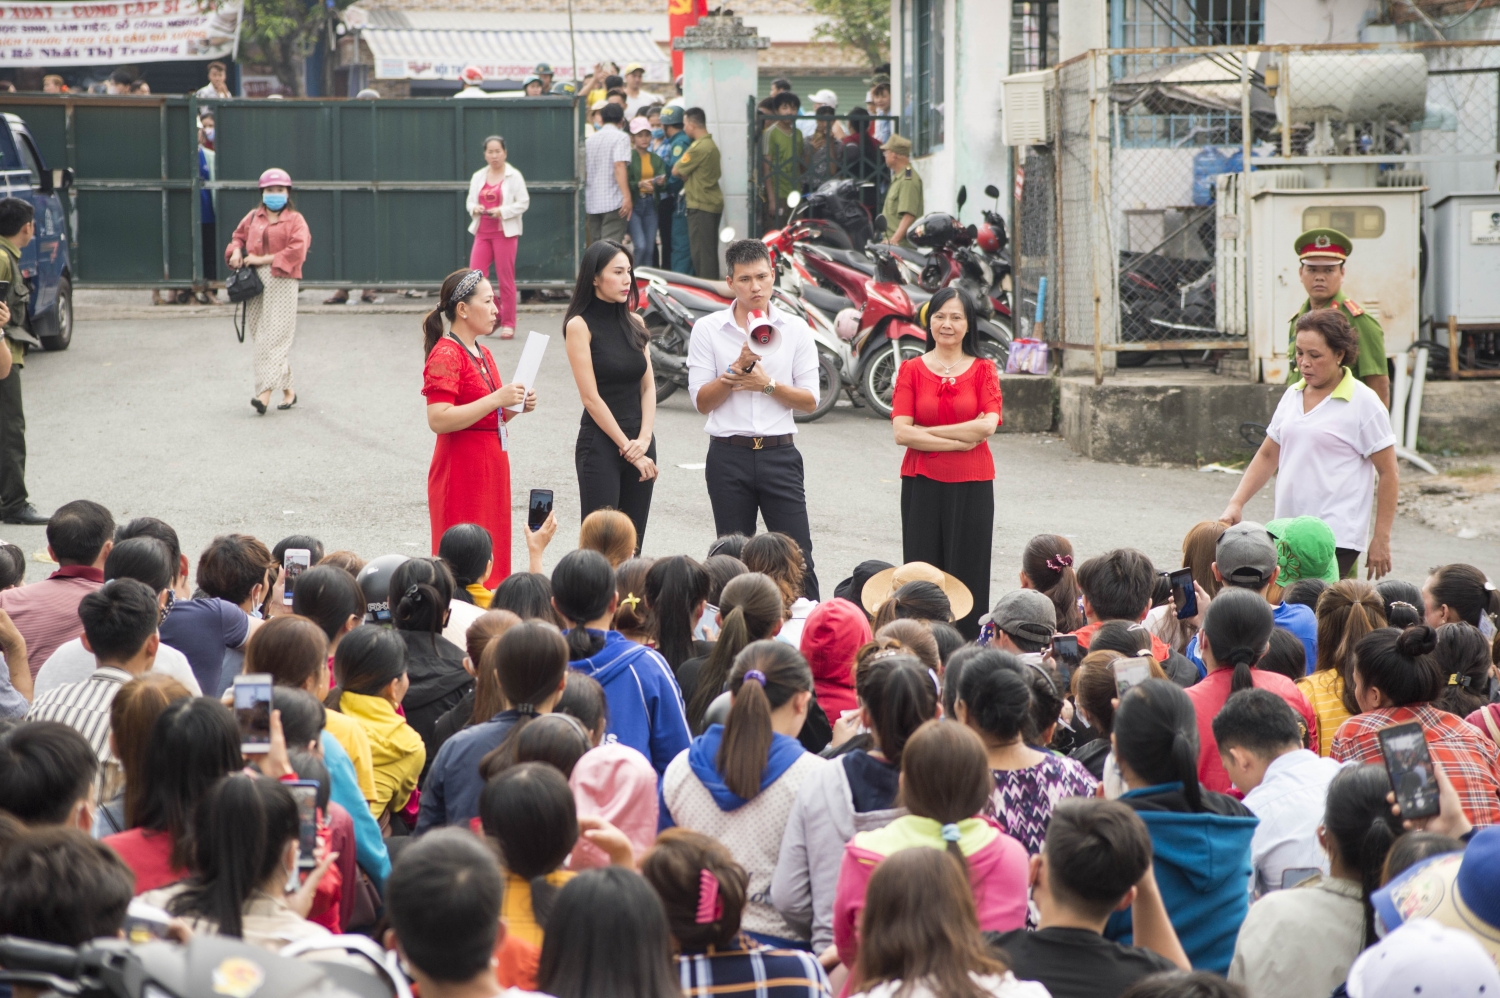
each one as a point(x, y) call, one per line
point(208, 133)
point(274, 202)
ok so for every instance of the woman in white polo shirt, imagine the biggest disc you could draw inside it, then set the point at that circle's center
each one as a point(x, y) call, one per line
point(1328, 439)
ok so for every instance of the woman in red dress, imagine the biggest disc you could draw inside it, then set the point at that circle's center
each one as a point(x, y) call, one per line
point(469, 481)
point(946, 406)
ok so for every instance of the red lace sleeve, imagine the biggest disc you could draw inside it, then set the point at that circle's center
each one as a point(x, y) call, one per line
point(989, 388)
point(442, 375)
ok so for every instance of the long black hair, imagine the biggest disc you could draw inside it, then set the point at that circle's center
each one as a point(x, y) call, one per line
point(970, 343)
point(997, 698)
point(1156, 735)
point(529, 810)
point(608, 935)
point(1237, 627)
point(1400, 664)
point(420, 591)
point(467, 549)
point(583, 586)
point(528, 595)
point(193, 744)
point(1358, 818)
point(328, 596)
point(676, 589)
point(366, 662)
point(897, 693)
point(598, 256)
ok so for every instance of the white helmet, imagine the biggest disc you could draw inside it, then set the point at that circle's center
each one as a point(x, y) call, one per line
point(846, 324)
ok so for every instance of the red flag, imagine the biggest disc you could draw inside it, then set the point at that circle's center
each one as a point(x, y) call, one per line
point(680, 15)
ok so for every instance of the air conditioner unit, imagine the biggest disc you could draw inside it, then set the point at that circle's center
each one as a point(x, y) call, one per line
point(1027, 101)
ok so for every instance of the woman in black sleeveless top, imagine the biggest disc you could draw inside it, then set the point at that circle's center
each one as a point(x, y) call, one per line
point(607, 349)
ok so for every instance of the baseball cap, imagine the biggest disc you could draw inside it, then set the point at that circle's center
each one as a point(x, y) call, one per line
point(1024, 613)
point(1304, 549)
point(1424, 957)
point(671, 115)
point(598, 104)
point(1245, 554)
point(826, 97)
point(898, 144)
point(472, 74)
point(533, 78)
point(639, 124)
point(633, 67)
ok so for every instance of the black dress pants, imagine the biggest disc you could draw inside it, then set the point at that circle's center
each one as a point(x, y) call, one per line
point(12, 442)
point(949, 525)
point(743, 482)
point(608, 481)
point(666, 207)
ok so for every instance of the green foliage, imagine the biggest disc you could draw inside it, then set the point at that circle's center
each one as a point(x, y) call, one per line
point(282, 33)
point(860, 24)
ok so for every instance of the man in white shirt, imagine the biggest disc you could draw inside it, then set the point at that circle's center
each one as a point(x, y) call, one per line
point(753, 462)
point(636, 99)
point(607, 198)
point(1285, 786)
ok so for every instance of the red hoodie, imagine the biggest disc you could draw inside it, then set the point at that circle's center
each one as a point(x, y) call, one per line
point(834, 631)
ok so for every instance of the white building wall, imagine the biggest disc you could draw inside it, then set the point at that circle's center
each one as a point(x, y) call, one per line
point(1316, 22)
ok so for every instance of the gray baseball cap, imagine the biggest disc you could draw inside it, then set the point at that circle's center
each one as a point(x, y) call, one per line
point(1025, 614)
point(1246, 555)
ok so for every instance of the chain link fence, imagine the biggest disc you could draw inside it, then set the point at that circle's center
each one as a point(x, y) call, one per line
point(1156, 244)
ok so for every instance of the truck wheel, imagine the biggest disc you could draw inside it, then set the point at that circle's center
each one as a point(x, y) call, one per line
point(61, 332)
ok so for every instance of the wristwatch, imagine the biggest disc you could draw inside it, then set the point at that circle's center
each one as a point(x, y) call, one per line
point(770, 388)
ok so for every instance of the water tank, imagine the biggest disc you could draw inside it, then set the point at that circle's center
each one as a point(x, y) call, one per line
point(1360, 86)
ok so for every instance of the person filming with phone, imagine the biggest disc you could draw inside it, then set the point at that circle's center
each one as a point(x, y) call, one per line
point(469, 479)
point(750, 367)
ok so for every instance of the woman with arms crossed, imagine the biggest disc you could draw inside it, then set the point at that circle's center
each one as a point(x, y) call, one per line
point(1329, 437)
point(607, 349)
point(469, 479)
point(945, 408)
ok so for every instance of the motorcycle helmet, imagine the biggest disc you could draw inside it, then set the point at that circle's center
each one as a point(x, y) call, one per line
point(846, 324)
point(933, 229)
point(375, 582)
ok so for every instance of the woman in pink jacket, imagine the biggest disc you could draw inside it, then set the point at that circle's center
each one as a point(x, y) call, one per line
point(273, 239)
point(945, 783)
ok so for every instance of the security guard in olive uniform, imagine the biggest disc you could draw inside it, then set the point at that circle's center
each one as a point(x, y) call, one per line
point(17, 228)
point(903, 201)
point(1323, 252)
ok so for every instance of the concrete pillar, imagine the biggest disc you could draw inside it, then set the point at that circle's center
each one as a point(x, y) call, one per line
point(719, 64)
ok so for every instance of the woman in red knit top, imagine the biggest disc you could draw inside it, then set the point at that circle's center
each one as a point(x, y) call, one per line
point(946, 406)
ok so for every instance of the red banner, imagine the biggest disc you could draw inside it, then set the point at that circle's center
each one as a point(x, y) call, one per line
point(680, 15)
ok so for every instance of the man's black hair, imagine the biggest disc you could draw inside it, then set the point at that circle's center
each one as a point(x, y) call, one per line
point(46, 767)
point(306, 541)
point(1258, 721)
point(695, 114)
point(122, 75)
point(150, 526)
point(443, 900)
point(745, 251)
point(144, 559)
point(14, 214)
point(58, 885)
point(612, 114)
point(612, 81)
point(118, 618)
point(1118, 584)
point(780, 83)
point(785, 98)
point(78, 531)
point(1096, 850)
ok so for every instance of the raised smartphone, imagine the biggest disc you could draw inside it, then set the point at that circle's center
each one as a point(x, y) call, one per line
point(294, 563)
point(252, 709)
point(306, 794)
point(1183, 593)
point(1130, 672)
point(1065, 654)
point(538, 508)
point(1410, 767)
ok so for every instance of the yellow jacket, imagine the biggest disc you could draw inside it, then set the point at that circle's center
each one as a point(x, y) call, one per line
point(396, 750)
point(351, 735)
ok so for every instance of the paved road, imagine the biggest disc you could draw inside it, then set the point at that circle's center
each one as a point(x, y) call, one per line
point(152, 416)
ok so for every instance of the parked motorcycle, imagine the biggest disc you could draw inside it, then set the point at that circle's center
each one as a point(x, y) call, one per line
point(1163, 298)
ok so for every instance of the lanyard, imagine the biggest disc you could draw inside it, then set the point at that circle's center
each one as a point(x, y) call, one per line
point(484, 370)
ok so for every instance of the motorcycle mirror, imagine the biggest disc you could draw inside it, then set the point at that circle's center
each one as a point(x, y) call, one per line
point(991, 191)
point(972, 230)
point(880, 225)
point(726, 234)
point(963, 195)
point(794, 199)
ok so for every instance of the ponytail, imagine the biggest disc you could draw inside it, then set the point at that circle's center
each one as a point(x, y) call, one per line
point(1185, 756)
point(751, 606)
point(945, 776)
point(766, 675)
point(432, 329)
point(1156, 735)
point(1237, 628)
point(421, 590)
point(366, 662)
point(531, 662)
point(1360, 826)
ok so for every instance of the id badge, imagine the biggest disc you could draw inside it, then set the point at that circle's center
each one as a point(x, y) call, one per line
point(504, 435)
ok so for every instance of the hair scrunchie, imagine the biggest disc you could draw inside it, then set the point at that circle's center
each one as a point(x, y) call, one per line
point(525, 709)
point(754, 676)
point(951, 833)
point(1058, 562)
point(710, 905)
point(413, 593)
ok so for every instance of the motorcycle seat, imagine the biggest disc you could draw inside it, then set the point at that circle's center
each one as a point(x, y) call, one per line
point(719, 288)
point(827, 301)
point(911, 256)
point(849, 258)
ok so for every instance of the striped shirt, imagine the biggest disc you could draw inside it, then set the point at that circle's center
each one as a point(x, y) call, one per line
point(84, 707)
point(752, 970)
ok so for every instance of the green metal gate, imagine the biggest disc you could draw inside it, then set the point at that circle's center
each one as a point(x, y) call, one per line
point(381, 182)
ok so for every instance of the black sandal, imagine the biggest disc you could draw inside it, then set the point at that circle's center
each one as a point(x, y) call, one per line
point(260, 406)
point(287, 405)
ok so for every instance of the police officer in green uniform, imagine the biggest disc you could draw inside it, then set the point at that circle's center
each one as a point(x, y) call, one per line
point(1323, 252)
point(903, 201)
point(17, 228)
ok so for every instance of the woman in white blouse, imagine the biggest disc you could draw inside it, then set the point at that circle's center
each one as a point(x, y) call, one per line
point(497, 200)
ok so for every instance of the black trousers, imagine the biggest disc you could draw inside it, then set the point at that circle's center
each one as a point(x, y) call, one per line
point(608, 481)
point(949, 525)
point(1346, 559)
point(703, 237)
point(666, 207)
point(210, 251)
point(743, 482)
point(12, 442)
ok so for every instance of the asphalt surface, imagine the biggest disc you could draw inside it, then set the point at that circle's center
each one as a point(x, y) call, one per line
point(152, 416)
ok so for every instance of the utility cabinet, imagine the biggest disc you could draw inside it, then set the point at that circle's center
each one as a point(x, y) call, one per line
point(1466, 260)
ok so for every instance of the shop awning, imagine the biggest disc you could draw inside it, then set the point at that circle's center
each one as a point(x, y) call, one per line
point(418, 54)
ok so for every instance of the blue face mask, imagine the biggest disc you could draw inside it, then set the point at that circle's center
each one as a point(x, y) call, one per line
point(275, 202)
point(208, 133)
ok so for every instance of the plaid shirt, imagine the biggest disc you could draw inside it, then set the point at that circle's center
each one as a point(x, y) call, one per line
point(755, 970)
point(1470, 761)
point(601, 151)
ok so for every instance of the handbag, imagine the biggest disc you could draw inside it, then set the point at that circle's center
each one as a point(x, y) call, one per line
point(242, 285)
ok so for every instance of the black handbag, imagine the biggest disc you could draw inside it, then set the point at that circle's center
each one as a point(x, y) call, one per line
point(242, 285)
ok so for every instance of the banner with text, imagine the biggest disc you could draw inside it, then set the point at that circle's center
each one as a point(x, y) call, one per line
point(84, 34)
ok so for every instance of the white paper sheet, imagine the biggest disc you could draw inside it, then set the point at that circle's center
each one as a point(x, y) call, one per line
point(529, 365)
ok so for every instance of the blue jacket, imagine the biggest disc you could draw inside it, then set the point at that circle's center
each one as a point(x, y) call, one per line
point(703, 757)
point(1295, 617)
point(450, 796)
point(1202, 863)
point(343, 790)
point(645, 704)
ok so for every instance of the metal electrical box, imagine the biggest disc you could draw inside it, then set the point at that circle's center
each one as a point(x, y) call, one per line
point(1382, 275)
point(1028, 108)
point(1466, 259)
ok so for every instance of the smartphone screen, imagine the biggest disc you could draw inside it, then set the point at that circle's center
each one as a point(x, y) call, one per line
point(252, 709)
point(1130, 672)
point(538, 509)
point(1065, 654)
point(1291, 878)
point(1183, 593)
point(306, 794)
point(4, 290)
point(294, 563)
point(1410, 766)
